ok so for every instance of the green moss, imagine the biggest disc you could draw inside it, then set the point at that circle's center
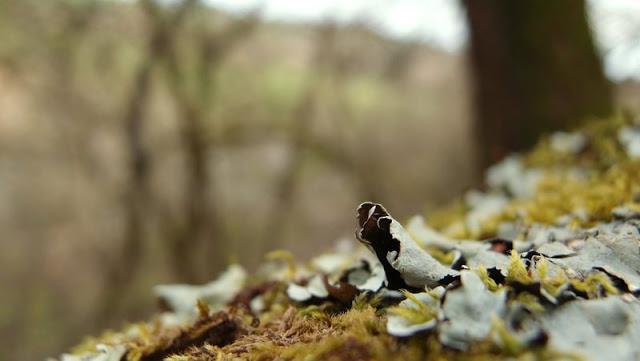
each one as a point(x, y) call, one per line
point(488, 281)
point(446, 258)
point(517, 271)
point(594, 284)
point(513, 347)
point(610, 182)
point(421, 314)
point(550, 284)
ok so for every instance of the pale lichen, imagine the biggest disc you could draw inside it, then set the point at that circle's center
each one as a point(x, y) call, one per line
point(542, 265)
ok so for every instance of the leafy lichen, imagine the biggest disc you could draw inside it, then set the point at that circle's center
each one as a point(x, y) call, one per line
point(519, 285)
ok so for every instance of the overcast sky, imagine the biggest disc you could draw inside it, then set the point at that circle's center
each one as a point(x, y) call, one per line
point(441, 22)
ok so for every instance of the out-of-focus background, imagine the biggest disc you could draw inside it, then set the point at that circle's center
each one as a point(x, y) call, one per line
point(146, 142)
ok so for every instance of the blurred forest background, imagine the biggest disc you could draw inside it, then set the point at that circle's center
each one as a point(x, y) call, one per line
point(148, 142)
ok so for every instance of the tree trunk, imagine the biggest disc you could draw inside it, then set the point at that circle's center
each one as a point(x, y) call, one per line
point(535, 70)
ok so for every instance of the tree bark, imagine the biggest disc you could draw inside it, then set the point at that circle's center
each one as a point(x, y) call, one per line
point(535, 70)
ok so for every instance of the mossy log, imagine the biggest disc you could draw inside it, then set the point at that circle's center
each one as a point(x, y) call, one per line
point(542, 265)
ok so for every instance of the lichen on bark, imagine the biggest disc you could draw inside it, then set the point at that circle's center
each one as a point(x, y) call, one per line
point(541, 265)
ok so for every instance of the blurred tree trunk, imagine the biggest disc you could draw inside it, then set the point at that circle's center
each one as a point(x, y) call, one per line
point(302, 118)
point(200, 239)
point(535, 69)
point(121, 272)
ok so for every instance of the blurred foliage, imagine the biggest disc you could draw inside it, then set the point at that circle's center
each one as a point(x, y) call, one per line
point(300, 123)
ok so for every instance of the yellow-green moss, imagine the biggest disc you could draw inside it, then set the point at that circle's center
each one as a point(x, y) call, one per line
point(488, 281)
point(608, 179)
point(594, 284)
point(421, 314)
